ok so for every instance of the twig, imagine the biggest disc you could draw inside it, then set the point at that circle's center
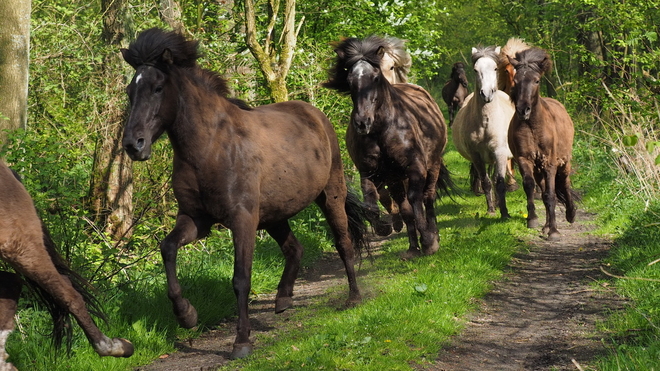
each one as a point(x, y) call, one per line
point(653, 262)
point(577, 364)
point(627, 278)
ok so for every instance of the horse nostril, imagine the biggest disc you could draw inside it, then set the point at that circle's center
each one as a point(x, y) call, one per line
point(139, 144)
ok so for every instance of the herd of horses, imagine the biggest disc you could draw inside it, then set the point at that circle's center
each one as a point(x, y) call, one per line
point(252, 168)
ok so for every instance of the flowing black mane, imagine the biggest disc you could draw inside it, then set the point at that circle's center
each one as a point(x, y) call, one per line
point(535, 58)
point(169, 50)
point(349, 52)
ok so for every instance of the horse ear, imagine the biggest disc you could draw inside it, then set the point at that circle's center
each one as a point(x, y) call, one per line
point(127, 56)
point(497, 50)
point(340, 53)
point(381, 52)
point(474, 50)
point(167, 56)
point(512, 60)
point(546, 64)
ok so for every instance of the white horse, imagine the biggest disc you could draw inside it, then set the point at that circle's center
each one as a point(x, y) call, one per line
point(481, 127)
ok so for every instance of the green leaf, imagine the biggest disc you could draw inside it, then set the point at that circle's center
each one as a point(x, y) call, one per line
point(650, 146)
point(657, 160)
point(630, 140)
point(421, 288)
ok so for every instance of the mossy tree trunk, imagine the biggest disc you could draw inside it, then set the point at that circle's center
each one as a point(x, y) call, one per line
point(274, 58)
point(111, 188)
point(14, 63)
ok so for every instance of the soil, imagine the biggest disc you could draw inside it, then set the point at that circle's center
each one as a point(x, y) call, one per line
point(541, 316)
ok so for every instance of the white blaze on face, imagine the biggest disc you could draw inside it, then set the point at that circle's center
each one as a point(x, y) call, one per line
point(486, 71)
point(138, 78)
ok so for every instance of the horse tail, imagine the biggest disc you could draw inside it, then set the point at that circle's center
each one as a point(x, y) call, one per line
point(62, 329)
point(356, 212)
point(445, 184)
point(563, 192)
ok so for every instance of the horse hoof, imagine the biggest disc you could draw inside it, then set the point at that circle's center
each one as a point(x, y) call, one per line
point(397, 223)
point(353, 301)
point(188, 319)
point(505, 216)
point(282, 304)
point(410, 254)
point(127, 348)
point(554, 236)
point(512, 187)
point(432, 249)
point(532, 223)
point(241, 350)
point(570, 215)
point(383, 229)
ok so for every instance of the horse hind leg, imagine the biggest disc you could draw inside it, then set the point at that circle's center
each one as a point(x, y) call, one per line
point(392, 208)
point(44, 274)
point(332, 202)
point(293, 251)
point(10, 290)
point(565, 193)
point(398, 192)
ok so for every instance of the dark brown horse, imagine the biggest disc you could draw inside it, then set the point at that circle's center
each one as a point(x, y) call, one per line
point(396, 138)
point(541, 140)
point(27, 247)
point(246, 169)
point(455, 90)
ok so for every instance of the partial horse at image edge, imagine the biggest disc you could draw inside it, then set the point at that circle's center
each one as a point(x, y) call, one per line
point(25, 245)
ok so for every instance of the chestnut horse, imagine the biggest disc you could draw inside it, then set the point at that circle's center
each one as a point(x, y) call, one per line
point(244, 168)
point(481, 127)
point(541, 139)
point(455, 90)
point(505, 70)
point(396, 138)
point(27, 247)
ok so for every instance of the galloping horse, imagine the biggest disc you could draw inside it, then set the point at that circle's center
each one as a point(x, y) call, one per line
point(25, 245)
point(541, 139)
point(455, 90)
point(396, 138)
point(505, 82)
point(395, 66)
point(245, 168)
point(481, 126)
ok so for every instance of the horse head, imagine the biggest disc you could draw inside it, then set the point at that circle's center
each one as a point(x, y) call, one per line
point(485, 68)
point(154, 55)
point(396, 61)
point(458, 74)
point(358, 71)
point(530, 65)
point(363, 79)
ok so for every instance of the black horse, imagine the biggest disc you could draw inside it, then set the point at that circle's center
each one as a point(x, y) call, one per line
point(455, 90)
point(246, 169)
point(396, 138)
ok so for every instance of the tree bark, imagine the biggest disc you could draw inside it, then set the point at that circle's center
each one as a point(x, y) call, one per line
point(274, 59)
point(14, 64)
point(111, 188)
point(170, 13)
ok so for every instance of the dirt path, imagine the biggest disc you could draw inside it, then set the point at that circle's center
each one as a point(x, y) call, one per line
point(541, 316)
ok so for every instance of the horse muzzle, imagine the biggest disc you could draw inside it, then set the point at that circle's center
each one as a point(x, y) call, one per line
point(363, 125)
point(487, 95)
point(137, 148)
point(524, 113)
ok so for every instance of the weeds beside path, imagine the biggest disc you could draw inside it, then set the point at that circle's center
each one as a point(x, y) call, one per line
point(542, 315)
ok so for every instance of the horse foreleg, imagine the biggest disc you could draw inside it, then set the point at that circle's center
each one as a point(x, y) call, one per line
point(430, 237)
point(486, 184)
point(564, 188)
point(416, 186)
point(293, 251)
point(243, 232)
point(511, 184)
point(371, 196)
point(550, 202)
point(10, 290)
point(500, 186)
point(185, 231)
point(392, 208)
point(332, 203)
point(398, 192)
point(529, 185)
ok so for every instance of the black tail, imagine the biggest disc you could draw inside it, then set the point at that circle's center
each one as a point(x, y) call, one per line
point(357, 221)
point(62, 329)
point(445, 185)
point(561, 195)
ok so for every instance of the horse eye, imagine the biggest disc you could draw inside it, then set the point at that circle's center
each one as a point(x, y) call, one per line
point(158, 90)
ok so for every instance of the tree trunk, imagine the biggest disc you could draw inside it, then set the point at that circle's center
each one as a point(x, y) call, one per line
point(14, 63)
point(111, 189)
point(170, 13)
point(274, 59)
